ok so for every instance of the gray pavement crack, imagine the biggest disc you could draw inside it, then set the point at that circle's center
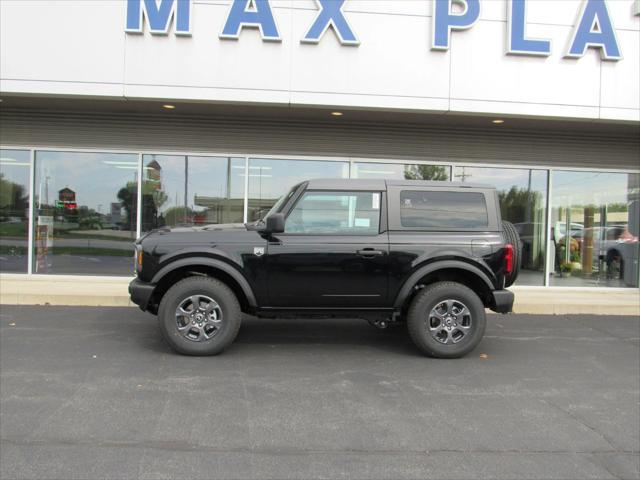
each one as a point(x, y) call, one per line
point(191, 447)
point(581, 422)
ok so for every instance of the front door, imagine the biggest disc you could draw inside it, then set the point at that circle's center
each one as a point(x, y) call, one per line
point(332, 253)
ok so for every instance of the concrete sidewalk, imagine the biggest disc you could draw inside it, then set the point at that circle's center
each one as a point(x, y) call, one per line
point(112, 292)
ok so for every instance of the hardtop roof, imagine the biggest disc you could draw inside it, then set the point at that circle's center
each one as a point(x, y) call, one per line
point(376, 184)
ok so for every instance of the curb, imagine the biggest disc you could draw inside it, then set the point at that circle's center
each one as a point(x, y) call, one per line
point(64, 290)
point(113, 292)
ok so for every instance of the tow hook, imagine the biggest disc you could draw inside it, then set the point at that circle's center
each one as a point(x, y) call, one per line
point(381, 323)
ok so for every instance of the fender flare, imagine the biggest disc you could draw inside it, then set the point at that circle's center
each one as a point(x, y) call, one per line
point(408, 285)
point(209, 262)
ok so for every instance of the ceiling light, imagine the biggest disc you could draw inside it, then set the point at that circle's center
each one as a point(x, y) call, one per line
point(377, 172)
point(498, 121)
point(113, 162)
point(240, 167)
point(337, 114)
point(168, 106)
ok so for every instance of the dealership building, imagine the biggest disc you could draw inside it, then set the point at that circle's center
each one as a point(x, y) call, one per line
point(121, 116)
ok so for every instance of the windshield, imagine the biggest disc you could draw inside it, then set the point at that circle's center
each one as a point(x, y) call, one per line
point(281, 201)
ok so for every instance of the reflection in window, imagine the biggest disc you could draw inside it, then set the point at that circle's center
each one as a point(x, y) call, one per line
point(397, 171)
point(443, 210)
point(340, 213)
point(179, 190)
point(85, 212)
point(523, 202)
point(14, 210)
point(270, 179)
point(595, 218)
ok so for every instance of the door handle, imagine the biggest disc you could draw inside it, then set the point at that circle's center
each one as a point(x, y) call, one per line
point(370, 252)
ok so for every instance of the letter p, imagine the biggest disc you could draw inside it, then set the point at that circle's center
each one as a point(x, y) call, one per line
point(444, 20)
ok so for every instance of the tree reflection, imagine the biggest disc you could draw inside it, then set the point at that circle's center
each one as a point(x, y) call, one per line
point(519, 203)
point(426, 172)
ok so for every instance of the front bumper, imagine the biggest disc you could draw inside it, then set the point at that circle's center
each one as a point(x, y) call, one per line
point(502, 301)
point(140, 293)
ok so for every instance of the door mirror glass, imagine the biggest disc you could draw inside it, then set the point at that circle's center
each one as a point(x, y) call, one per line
point(275, 223)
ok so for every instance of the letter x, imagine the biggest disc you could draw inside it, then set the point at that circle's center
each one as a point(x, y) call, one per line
point(331, 15)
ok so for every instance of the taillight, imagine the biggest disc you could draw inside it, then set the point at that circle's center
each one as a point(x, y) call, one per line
point(508, 258)
point(138, 259)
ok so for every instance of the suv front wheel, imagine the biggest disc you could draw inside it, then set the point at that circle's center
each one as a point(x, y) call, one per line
point(199, 316)
point(446, 320)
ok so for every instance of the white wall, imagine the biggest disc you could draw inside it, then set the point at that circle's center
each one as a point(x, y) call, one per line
point(80, 48)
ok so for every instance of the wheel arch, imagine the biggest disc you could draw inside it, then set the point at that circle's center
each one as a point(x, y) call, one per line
point(446, 270)
point(186, 267)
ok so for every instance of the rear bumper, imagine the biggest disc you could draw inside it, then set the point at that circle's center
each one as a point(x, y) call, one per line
point(140, 293)
point(502, 301)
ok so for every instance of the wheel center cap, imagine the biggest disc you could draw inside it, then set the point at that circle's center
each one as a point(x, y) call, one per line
point(199, 317)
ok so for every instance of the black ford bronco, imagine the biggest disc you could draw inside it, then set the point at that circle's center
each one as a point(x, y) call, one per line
point(431, 254)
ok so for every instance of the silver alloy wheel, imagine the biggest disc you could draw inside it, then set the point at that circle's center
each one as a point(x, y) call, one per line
point(449, 322)
point(198, 318)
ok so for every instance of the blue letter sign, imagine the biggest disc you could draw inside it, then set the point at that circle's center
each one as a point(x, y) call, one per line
point(518, 43)
point(444, 21)
point(251, 13)
point(595, 30)
point(159, 16)
point(330, 15)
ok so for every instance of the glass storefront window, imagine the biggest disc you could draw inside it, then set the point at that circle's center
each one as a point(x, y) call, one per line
point(594, 234)
point(180, 190)
point(14, 210)
point(398, 171)
point(523, 202)
point(86, 208)
point(85, 213)
point(269, 179)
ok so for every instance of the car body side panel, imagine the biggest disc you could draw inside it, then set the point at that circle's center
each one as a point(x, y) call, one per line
point(327, 271)
point(410, 251)
point(241, 249)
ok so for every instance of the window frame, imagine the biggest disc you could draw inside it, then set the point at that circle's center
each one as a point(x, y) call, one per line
point(297, 198)
point(29, 190)
point(395, 219)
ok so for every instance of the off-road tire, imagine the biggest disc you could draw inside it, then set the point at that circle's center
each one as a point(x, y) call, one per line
point(418, 321)
point(205, 286)
point(511, 236)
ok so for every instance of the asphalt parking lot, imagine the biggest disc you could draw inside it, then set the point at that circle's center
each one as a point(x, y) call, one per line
point(95, 393)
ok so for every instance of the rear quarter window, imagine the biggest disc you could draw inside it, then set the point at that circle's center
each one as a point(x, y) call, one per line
point(443, 210)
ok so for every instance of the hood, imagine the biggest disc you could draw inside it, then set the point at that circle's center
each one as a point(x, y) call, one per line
point(187, 234)
point(207, 228)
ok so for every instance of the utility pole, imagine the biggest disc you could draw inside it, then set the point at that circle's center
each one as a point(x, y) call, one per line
point(463, 176)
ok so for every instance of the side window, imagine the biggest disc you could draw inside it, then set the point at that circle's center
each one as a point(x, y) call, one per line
point(443, 210)
point(347, 213)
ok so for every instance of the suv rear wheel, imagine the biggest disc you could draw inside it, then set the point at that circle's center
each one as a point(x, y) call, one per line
point(199, 316)
point(446, 320)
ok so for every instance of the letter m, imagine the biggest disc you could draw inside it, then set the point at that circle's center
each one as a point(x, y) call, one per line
point(159, 15)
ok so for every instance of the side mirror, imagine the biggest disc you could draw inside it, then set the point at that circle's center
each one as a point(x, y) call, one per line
point(275, 223)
